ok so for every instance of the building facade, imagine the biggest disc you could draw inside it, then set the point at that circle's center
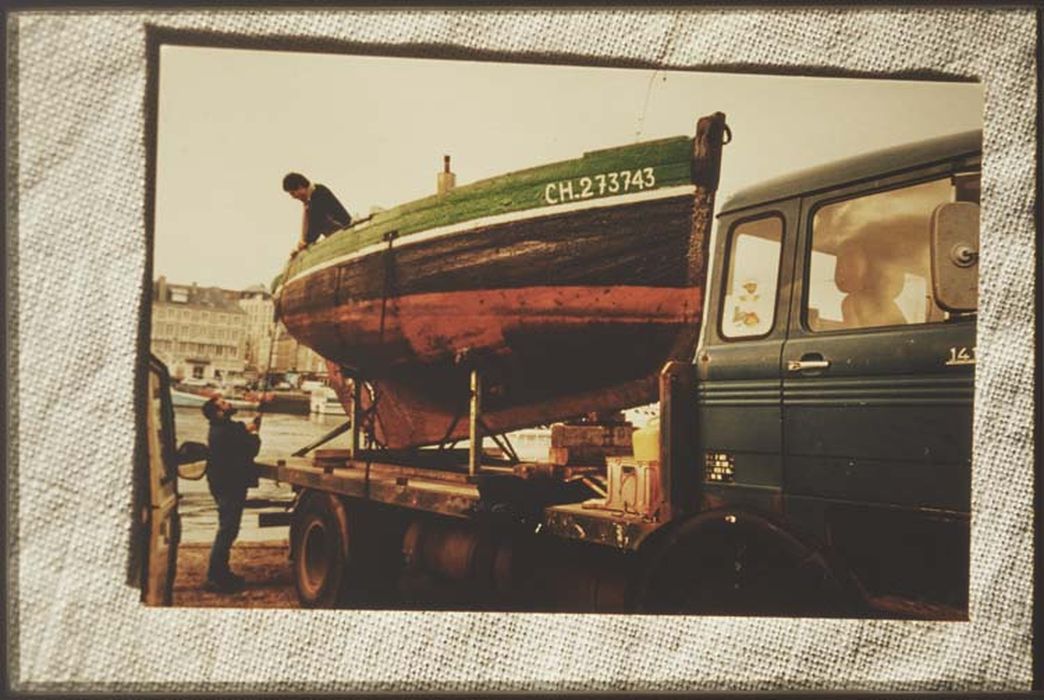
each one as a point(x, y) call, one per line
point(257, 303)
point(292, 356)
point(198, 332)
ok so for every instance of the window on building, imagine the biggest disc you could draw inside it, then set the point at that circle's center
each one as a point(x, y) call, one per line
point(870, 264)
point(749, 301)
point(197, 371)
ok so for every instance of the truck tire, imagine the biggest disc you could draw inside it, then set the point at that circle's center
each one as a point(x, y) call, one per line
point(319, 548)
point(737, 563)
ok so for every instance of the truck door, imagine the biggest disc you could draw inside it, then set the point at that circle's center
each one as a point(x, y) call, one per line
point(878, 386)
point(159, 526)
point(738, 395)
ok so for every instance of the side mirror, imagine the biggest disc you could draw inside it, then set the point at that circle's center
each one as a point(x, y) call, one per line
point(955, 256)
point(191, 458)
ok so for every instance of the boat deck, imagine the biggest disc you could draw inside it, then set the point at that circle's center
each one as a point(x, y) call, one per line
point(451, 493)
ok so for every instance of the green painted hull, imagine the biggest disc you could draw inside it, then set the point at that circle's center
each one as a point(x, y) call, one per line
point(598, 174)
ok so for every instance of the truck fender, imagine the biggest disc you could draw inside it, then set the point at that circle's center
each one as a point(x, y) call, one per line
point(733, 561)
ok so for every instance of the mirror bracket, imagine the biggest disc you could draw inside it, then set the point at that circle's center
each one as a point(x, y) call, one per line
point(955, 256)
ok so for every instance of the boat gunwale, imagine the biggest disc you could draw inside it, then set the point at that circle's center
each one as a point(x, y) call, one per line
point(471, 225)
point(487, 187)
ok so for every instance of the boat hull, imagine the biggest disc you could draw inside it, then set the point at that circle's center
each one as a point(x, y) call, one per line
point(544, 365)
point(563, 314)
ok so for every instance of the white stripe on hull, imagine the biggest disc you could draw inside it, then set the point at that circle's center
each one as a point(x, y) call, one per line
point(510, 217)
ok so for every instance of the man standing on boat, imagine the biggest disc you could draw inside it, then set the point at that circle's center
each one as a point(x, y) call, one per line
point(323, 213)
point(232, 447)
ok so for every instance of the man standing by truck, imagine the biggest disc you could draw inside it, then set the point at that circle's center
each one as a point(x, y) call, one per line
point(232, 447)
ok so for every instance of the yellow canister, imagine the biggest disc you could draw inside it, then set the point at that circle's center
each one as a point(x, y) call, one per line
point(647, 441)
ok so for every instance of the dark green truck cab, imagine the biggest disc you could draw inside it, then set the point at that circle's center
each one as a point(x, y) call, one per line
point(834, 380)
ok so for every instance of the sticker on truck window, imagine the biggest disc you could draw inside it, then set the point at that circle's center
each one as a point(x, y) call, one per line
point(600, 185)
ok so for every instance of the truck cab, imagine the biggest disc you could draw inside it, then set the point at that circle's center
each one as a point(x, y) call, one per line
point(834, 378)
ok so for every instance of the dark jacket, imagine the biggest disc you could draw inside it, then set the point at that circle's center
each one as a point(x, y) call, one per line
point(325, 214)
point(230, 462)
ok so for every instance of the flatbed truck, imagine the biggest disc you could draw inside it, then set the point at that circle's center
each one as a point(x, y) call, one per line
point(812, 458)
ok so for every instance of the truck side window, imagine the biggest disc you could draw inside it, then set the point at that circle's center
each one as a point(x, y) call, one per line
point(753, 274)
point(871, 261)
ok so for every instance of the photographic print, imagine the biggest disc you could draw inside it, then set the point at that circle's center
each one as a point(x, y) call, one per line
point(520, 350)
point(457, 335)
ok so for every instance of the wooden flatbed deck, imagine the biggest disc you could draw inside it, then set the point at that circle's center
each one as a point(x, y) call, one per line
point(450, 493)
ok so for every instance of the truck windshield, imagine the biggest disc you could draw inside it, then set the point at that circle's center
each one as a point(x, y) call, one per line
point(871, 262)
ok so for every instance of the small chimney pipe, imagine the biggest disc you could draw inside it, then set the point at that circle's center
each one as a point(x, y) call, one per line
point(446, 180)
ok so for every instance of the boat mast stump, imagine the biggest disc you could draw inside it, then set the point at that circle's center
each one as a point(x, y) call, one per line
point(475, 447)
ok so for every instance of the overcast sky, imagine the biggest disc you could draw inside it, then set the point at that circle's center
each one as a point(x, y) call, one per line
point(374, 130)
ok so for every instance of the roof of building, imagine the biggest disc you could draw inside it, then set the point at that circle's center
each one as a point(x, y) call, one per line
point(210, 298)
point(255, 289)
point(862, 167)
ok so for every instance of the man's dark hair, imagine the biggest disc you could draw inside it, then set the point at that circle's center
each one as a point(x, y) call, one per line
point(293, 181)
point(210, 408)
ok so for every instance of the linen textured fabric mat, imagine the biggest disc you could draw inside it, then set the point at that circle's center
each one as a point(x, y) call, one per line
point(77, 252)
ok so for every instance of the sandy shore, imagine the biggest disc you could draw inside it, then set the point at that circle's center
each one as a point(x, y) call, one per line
point(264, 564)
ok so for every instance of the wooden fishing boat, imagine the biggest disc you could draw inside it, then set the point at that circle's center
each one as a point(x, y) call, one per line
point(568, 286)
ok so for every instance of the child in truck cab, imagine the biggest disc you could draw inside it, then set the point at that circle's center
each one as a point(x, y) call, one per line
point(870, 287)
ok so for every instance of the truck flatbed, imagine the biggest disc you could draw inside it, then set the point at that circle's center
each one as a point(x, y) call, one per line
point(451, 493)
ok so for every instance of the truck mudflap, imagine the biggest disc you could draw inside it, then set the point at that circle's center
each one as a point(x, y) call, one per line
point(731, 562)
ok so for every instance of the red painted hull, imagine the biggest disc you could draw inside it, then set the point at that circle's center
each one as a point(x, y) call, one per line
point(547, 353)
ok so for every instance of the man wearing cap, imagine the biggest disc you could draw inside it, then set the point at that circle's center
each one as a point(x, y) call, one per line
point(323, 213)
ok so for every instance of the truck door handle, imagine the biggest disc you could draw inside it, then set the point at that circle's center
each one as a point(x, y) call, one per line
point(812, 360)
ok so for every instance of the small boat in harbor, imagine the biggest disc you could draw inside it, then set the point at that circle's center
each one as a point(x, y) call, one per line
point(193, 396)
point(185, 398)
point(295, 403)
point(567, 286)
point(325, 402)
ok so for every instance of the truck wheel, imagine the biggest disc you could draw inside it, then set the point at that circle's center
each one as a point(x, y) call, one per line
point(734, 563)
point(319, 546)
